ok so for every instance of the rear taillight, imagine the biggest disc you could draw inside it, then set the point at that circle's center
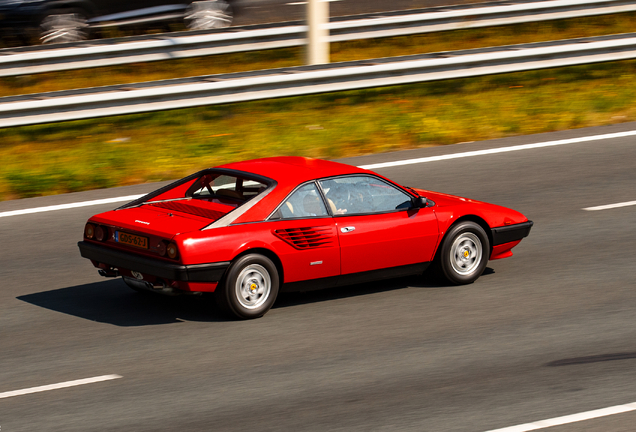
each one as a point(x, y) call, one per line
point(161, 248)
point(172, 251)
point(101, 233)
point(89, 231)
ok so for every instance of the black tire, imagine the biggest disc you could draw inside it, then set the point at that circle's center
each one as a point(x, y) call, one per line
point(208, 15)
point(65, 25)
point(249, 287)
point(463, 254)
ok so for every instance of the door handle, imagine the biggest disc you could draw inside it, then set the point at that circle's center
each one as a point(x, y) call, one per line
point(347, 229)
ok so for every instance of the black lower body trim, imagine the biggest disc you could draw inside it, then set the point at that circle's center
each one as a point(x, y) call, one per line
point(355, 278)
point(210, 272)
point(510, 233)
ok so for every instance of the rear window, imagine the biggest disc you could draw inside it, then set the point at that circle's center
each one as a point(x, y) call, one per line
point(225, 188)
point(210, 193)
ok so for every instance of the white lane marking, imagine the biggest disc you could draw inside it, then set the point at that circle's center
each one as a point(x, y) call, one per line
point(304, 3)
point(611, 206)
point(58, 386)
point(69, 206)
point(370, 167)
point(588, 415)
point(499, 150)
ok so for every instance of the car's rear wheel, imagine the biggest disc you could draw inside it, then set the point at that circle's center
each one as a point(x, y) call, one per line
point(208, 15)
point(64, 26)
point(250, 287)
point(463, 255)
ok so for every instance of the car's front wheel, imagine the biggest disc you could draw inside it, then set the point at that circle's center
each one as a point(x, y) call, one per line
point(463, 255)
point(250, 287)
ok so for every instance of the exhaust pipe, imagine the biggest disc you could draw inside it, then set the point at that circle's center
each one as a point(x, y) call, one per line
point(108, 273)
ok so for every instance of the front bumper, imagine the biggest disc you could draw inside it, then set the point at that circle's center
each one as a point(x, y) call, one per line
point(510, 233)
point(209, 272)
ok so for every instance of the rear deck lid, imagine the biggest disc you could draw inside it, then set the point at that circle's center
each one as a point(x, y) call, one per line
point(165, 219)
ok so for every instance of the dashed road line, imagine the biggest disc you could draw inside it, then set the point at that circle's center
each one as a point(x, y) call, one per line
point(573, 418)
point(611, 206)
point(69, 206)
point(58, 386)
point(499, 150)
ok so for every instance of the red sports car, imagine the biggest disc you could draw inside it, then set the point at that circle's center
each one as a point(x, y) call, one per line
point(248, 230)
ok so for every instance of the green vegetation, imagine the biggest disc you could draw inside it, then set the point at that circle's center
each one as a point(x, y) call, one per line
point(89, 154)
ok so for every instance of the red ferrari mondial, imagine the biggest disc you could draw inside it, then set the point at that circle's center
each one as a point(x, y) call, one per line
point(248, 230)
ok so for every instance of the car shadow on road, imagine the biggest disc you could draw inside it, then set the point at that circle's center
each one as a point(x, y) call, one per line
point(287, 299)
point(112, 302)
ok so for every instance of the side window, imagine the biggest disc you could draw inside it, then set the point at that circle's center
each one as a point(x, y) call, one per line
point(363, 194)
point(304, 202)
point(227, 187)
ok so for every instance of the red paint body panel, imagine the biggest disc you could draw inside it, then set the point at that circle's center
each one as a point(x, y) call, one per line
point(152, 220)
point(503, 250)
point(197, 286)
point(450, 208)
point(214, 230)
point(224, 244)
point(387, 240)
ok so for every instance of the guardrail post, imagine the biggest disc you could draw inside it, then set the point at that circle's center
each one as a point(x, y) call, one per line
point(318, 33)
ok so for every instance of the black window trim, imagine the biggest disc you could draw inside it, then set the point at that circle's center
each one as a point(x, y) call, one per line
point(270, 183)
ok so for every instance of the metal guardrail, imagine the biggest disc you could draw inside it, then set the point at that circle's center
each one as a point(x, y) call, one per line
point(305, 80)
point(32, 60)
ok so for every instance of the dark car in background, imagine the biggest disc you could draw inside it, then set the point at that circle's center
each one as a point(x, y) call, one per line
point(55, 21)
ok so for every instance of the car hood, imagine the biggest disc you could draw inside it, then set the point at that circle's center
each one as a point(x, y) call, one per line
point(495, 215)
point(442, 199)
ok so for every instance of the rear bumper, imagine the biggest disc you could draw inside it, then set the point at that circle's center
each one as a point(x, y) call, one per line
point(510, 233)
point(208, 272)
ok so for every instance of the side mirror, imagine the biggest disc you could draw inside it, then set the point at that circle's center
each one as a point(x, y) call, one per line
point(419, 202)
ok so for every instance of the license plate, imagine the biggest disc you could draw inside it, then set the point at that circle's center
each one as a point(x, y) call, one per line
point(131, 239)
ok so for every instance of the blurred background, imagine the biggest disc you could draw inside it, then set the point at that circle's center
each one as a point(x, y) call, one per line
point(58, 157)
point(99, 102)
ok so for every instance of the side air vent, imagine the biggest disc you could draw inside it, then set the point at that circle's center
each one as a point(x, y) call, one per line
point(307, 238)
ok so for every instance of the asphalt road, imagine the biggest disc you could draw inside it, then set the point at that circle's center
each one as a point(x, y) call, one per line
point(546, 333)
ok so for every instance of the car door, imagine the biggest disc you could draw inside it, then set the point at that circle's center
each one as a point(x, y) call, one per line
point(376, 226)
point(308, 243)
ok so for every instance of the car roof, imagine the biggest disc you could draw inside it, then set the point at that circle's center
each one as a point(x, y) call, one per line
point(293, 169)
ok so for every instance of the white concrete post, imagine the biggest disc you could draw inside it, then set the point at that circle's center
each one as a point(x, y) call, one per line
point(318, 34)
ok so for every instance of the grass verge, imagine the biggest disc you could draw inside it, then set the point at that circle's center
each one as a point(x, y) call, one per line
point(89, 154)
